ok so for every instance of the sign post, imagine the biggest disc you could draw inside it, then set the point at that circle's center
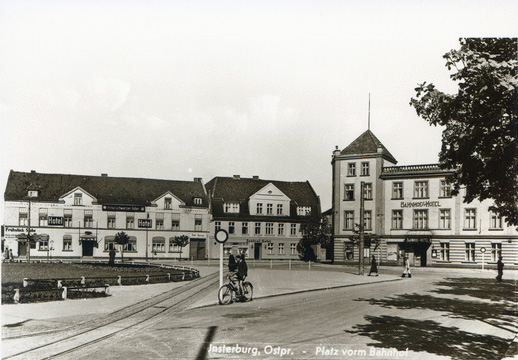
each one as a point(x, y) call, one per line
point(221, 237)
point(483, 250)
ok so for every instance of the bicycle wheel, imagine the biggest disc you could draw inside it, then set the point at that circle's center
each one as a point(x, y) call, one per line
point(225, 295)
point(248, 290)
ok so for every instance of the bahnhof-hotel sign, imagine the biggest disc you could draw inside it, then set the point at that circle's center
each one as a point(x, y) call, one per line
point(412, 204)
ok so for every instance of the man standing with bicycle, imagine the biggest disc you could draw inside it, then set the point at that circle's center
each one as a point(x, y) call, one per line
point(242, 272)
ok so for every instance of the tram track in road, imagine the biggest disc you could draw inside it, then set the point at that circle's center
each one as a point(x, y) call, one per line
point(52, 344)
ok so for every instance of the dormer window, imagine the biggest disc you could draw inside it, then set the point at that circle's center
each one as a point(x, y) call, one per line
point(32, 193)
point(197, 201)
point(78, 199)
point(259, 208)
point(303, 210)
point(232, 208)
point(168, 203)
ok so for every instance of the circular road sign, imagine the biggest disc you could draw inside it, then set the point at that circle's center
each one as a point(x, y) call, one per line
point(482, 250)
point(221, 236)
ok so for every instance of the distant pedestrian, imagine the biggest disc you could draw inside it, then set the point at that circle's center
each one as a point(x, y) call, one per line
point(406, 267)
point(6, 254)
point(232, 265)
point(374, 266)
point(11, 259)
point(500, 269)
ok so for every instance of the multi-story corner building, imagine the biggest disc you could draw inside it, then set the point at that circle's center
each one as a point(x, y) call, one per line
point(412, 211)
point(262, 217)
point(76, 216)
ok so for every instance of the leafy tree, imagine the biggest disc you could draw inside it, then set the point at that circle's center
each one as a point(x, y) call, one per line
point(479, 141)
point(369, 239)
point(181, 241)
point(315, 231)
point(122, 239)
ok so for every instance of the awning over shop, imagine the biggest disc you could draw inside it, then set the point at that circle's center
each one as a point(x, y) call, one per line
point(88, 237)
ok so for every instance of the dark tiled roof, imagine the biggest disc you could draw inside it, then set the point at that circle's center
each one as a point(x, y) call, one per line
point(231, 189)
point(107, 190)
point(367, 143)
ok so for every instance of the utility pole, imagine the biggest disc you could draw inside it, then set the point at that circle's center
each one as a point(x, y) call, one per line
point(362, 228)
point(29, 234)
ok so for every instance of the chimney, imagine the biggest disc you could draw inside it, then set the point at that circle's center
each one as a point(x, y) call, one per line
point(237, 177)
point(336, 151)
point(255, 177)
point(197, 180)
point(104, 175)
point(33, 171)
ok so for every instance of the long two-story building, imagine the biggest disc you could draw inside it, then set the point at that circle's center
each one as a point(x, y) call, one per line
point(412, 211)
point(263, 218)
point(76, 216)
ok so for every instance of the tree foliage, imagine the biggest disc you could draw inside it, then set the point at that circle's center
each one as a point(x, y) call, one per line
point(181, 241)
point(122, 239)
point(314, 231)
point(479, 141)
point(369, 239)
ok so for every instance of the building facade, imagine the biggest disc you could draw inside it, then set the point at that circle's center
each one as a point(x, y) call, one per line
point(263, 218)
point(75, 216)
point(411, 212)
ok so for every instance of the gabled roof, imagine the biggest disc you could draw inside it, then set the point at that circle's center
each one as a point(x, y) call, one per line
point(231, 189)
point(239, 190)
point(367, 144)
point(107, 190)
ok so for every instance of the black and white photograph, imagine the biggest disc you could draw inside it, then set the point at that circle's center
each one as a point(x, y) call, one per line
point(259, 179)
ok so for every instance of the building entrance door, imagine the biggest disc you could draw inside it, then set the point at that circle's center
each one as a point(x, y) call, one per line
point(88, 248)
point(197, 251)
point(420, 251)
point(257, 251)
point(22, 249)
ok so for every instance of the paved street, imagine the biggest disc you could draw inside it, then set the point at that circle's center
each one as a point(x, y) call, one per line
point(437, 314)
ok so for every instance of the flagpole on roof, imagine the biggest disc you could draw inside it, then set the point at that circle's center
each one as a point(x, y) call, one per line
point(369, 118)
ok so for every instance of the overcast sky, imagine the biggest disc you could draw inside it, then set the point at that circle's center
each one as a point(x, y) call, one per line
point(184, 89)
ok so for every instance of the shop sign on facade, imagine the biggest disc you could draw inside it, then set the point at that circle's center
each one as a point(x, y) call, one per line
point(145, 223)
point(412, 204)
point(55, 221)
point(126, 208)
point(18, 229)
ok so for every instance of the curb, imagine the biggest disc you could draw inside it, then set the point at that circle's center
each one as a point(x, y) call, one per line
point(306, 291)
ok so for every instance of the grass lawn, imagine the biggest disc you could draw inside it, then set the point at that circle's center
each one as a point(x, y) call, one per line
point(16, 272)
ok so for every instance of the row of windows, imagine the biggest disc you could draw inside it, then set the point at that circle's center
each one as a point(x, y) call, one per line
point(269, 209)
point(444, 251)
point(269, 228)
point(157, 245)
point(168, 202)
point(420, 190)
point(270, 249)
point(364, 170)
point(88, 221)
point(280, 249)
point(420, 219)
point(349, 192)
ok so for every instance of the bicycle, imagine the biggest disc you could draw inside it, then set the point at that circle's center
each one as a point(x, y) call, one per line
point(229, 292)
